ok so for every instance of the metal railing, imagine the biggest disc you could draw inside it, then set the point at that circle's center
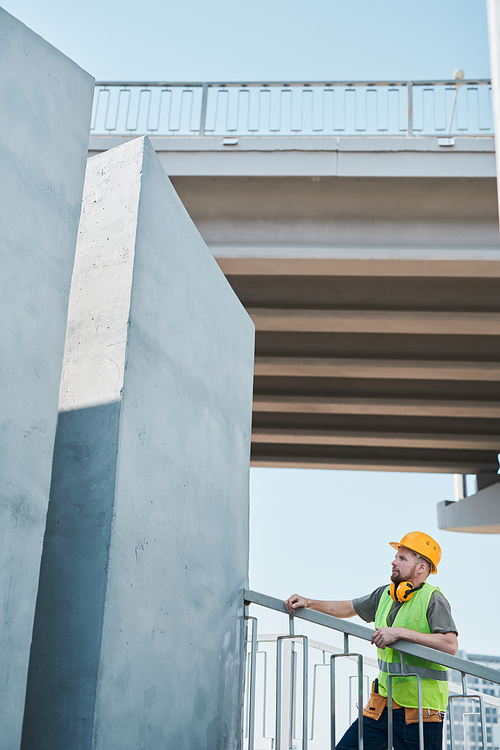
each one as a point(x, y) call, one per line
point(408, 108)
point(292, 699)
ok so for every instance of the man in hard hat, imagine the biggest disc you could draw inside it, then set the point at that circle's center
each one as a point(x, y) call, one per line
point(407, 609)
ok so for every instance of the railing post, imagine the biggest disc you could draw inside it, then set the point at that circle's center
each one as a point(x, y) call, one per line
point(277, 737)
point(390, 717)
point(305, 694)
point(360, 697)
point(203, 114)
point(409, 124)
point(252, 679)
point(360, 702)
point(332, 702)
point(479, 698)
point(279, 690)
point(419, 698)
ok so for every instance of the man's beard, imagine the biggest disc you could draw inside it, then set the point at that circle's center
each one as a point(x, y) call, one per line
point(398, 578)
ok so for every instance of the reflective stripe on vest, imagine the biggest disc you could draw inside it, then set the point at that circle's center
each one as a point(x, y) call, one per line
point(429, 674)
point(411, 615)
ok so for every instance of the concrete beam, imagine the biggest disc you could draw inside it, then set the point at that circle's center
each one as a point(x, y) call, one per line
point(477, 514)
point(139, 631)
point(280, 156)
point(366, 464)
point(376, 321)
point(378, 267)
point(377, 406)
point(45, 106)
point(294, 436)
point(319, 367)
point(344, 217)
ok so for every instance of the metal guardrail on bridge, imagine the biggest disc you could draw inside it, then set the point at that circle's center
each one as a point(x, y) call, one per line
point(408, 108)
point(287, 686)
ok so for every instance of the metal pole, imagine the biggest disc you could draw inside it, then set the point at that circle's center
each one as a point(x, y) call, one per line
point(332, 702)
point(251, 690)
point(420, 714)
point(390, 728)
point(452, 113)
point(420, 700)
point(293, 701)
point(360, 698)
point(278, 694)
point(483, 721)
point(305, 695)
point(203, 114)
point(409, 125)
point(291, 630)
point(360, 702)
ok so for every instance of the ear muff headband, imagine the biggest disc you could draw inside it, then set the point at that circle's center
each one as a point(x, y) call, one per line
point(403, 592)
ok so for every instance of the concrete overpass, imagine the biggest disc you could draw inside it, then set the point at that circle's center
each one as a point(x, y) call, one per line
point(371, 268)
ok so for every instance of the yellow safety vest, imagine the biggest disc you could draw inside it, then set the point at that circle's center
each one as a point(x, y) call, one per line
point(411, 615)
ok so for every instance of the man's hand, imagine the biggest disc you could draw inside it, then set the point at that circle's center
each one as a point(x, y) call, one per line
point(337, 609)
point(294, 602)
point(385, 636)
point(446, 642)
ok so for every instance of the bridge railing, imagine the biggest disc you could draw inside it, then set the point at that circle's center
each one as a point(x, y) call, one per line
point(408, 108)
point(294, 683)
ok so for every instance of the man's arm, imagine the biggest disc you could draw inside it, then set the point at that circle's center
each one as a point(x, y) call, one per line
point(447, 642)
point(337, 609)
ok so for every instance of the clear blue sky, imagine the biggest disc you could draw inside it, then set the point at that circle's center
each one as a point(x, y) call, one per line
point(265, 39)
point(321, 533)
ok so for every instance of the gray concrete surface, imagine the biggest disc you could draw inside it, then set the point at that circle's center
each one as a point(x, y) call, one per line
point(477, 514)
point(138, 639)
point(319, 156)
point(45, 105)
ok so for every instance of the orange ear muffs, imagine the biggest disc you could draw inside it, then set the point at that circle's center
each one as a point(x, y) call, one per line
point(403, 592)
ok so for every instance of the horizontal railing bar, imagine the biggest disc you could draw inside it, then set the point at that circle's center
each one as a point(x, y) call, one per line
point(359, 631)
point(443, 82)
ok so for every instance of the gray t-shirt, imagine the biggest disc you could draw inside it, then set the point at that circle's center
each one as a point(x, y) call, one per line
point(438, 611)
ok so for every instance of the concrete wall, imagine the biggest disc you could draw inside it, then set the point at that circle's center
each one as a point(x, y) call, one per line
point(45, 106)
point(138, 639)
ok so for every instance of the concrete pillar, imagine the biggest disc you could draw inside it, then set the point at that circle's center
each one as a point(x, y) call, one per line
point(45, 107)
point(139, 631)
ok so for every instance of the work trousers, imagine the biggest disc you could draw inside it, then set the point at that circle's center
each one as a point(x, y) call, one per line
point(405, 735)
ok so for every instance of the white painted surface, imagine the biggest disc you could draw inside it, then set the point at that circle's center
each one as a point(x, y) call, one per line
point(45, 105)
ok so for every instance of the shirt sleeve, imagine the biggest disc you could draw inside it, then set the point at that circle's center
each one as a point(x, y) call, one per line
point(439, 614)
point(366, 606)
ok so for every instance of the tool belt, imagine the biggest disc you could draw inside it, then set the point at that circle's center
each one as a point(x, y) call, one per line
point(377, 704)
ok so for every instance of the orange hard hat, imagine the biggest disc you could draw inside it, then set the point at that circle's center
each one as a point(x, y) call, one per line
point(423, 545)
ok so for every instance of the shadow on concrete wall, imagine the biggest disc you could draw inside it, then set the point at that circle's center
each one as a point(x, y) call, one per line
point(65, 652)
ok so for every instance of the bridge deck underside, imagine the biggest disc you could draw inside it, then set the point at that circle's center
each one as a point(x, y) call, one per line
point(374, 365)
point(376, 302)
